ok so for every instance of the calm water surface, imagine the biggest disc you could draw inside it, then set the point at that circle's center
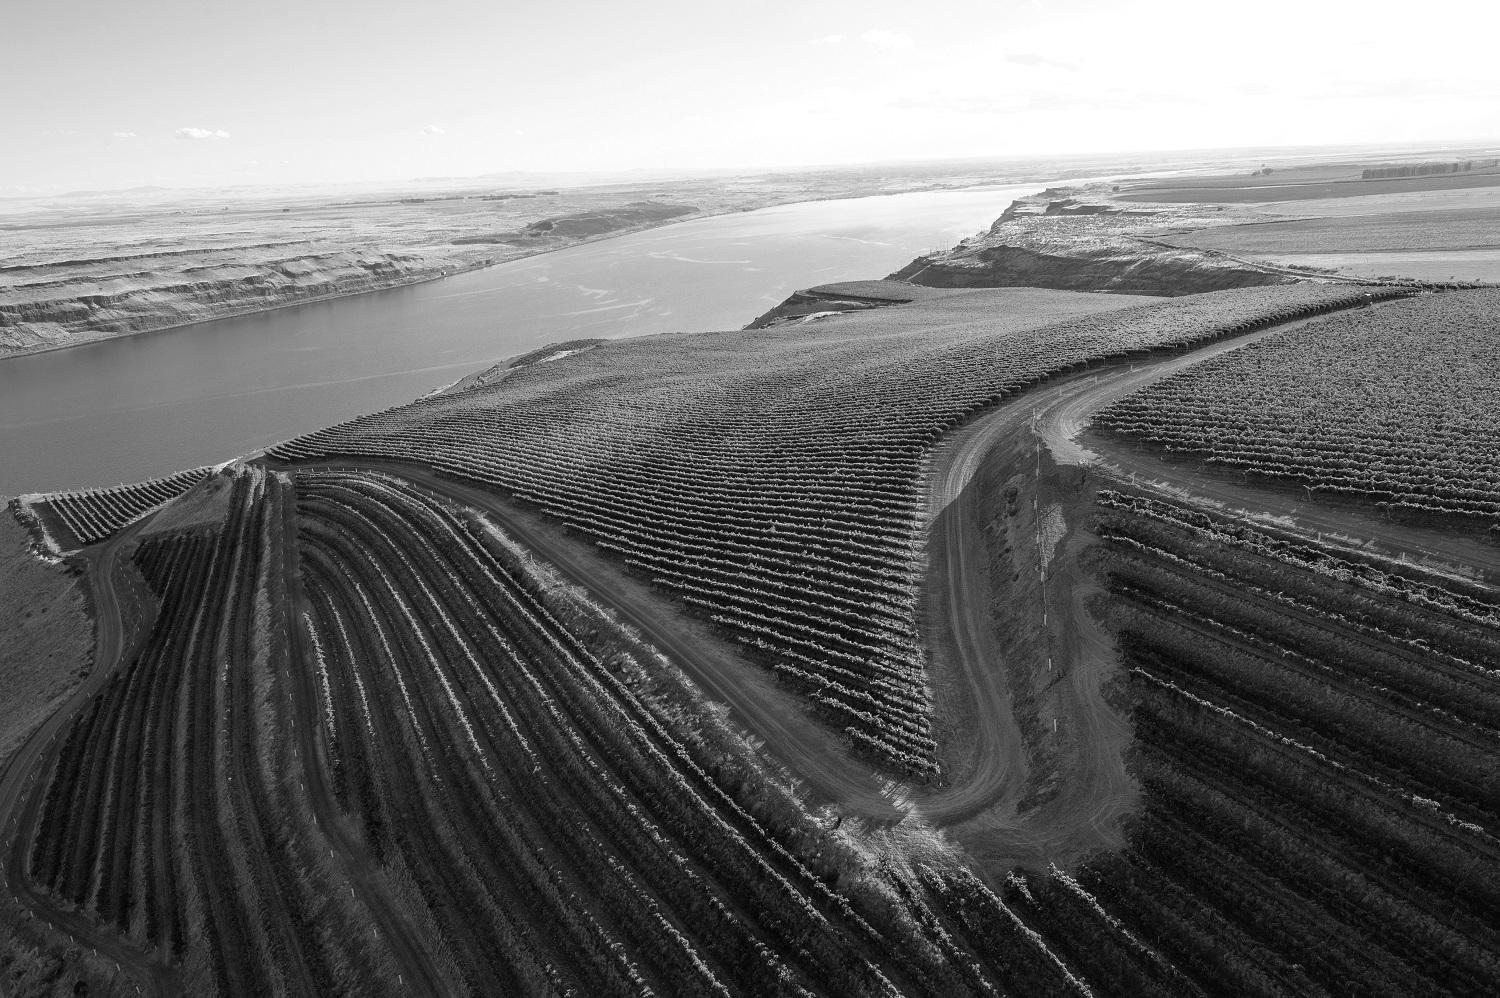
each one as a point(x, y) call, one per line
point(134, 408)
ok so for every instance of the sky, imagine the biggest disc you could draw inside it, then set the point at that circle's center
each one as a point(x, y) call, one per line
point(101, 94)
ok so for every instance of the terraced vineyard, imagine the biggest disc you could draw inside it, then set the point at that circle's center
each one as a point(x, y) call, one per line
point(1318, 738)
point(560, 834)
point(172, 813)
point(363, 751)
point(1397, 406)
point(93, 515)
point(773, 478)
point(346, 735)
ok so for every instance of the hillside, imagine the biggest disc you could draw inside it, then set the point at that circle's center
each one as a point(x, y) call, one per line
point(911, 641)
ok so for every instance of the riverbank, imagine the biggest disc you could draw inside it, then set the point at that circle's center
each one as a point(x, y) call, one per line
point(91, 269)
point(136, 407)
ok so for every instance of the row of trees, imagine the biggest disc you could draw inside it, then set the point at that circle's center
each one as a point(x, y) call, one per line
point(1317, 759)
point(93, 515)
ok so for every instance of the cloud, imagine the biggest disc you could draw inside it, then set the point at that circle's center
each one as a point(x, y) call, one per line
point(833, 39)
point(887, 40)
point(432, 130)
point(516, 131)
point(123, 135)
point(200, 133)
point(1027, 59)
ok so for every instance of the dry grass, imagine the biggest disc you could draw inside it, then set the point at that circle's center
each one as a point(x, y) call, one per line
point(46, 636)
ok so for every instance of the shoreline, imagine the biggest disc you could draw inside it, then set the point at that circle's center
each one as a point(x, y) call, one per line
point(320, 299)
point(631, 230)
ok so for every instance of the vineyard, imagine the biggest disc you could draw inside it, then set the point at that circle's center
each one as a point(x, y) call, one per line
point(351, 674)
point(171, 815)
point(1394, 406)
point(772, 479)
point(1318, 740)
point(354, 738)
point(94, 515)
point(562, 834)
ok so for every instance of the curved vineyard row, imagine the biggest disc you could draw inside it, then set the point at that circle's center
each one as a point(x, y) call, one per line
point(1395, 406)
point(773, 478)
point(559, 830)
point(168, 814)
point(346, 665)
point(93, 515)
point(1318, 743)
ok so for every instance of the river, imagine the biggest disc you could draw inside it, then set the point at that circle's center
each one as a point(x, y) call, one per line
point(133, 408)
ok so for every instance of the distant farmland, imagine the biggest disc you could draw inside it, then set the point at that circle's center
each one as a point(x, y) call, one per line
point(1477, 228)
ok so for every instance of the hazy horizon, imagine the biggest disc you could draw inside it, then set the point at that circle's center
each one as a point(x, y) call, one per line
point(176, 95)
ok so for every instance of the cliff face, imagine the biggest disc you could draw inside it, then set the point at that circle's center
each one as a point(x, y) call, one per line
point(76, 284)
point(54, 305)
point(1125, 267)
point(89, 265)
point(72, 273)
point(1083, 240)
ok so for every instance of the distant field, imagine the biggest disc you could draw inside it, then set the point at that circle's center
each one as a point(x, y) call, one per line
point(1430, 265)
point(1230, 191)
point(1384, 204)
point(1395, 404)
point(1426, 230)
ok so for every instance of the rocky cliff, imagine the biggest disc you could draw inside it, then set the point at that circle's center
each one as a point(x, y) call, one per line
point(62, 304)
point(1082, 240)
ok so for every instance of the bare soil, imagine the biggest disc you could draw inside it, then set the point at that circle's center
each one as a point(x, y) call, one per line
point(1019, 667)
point(1203, 192)
point(201, 507)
